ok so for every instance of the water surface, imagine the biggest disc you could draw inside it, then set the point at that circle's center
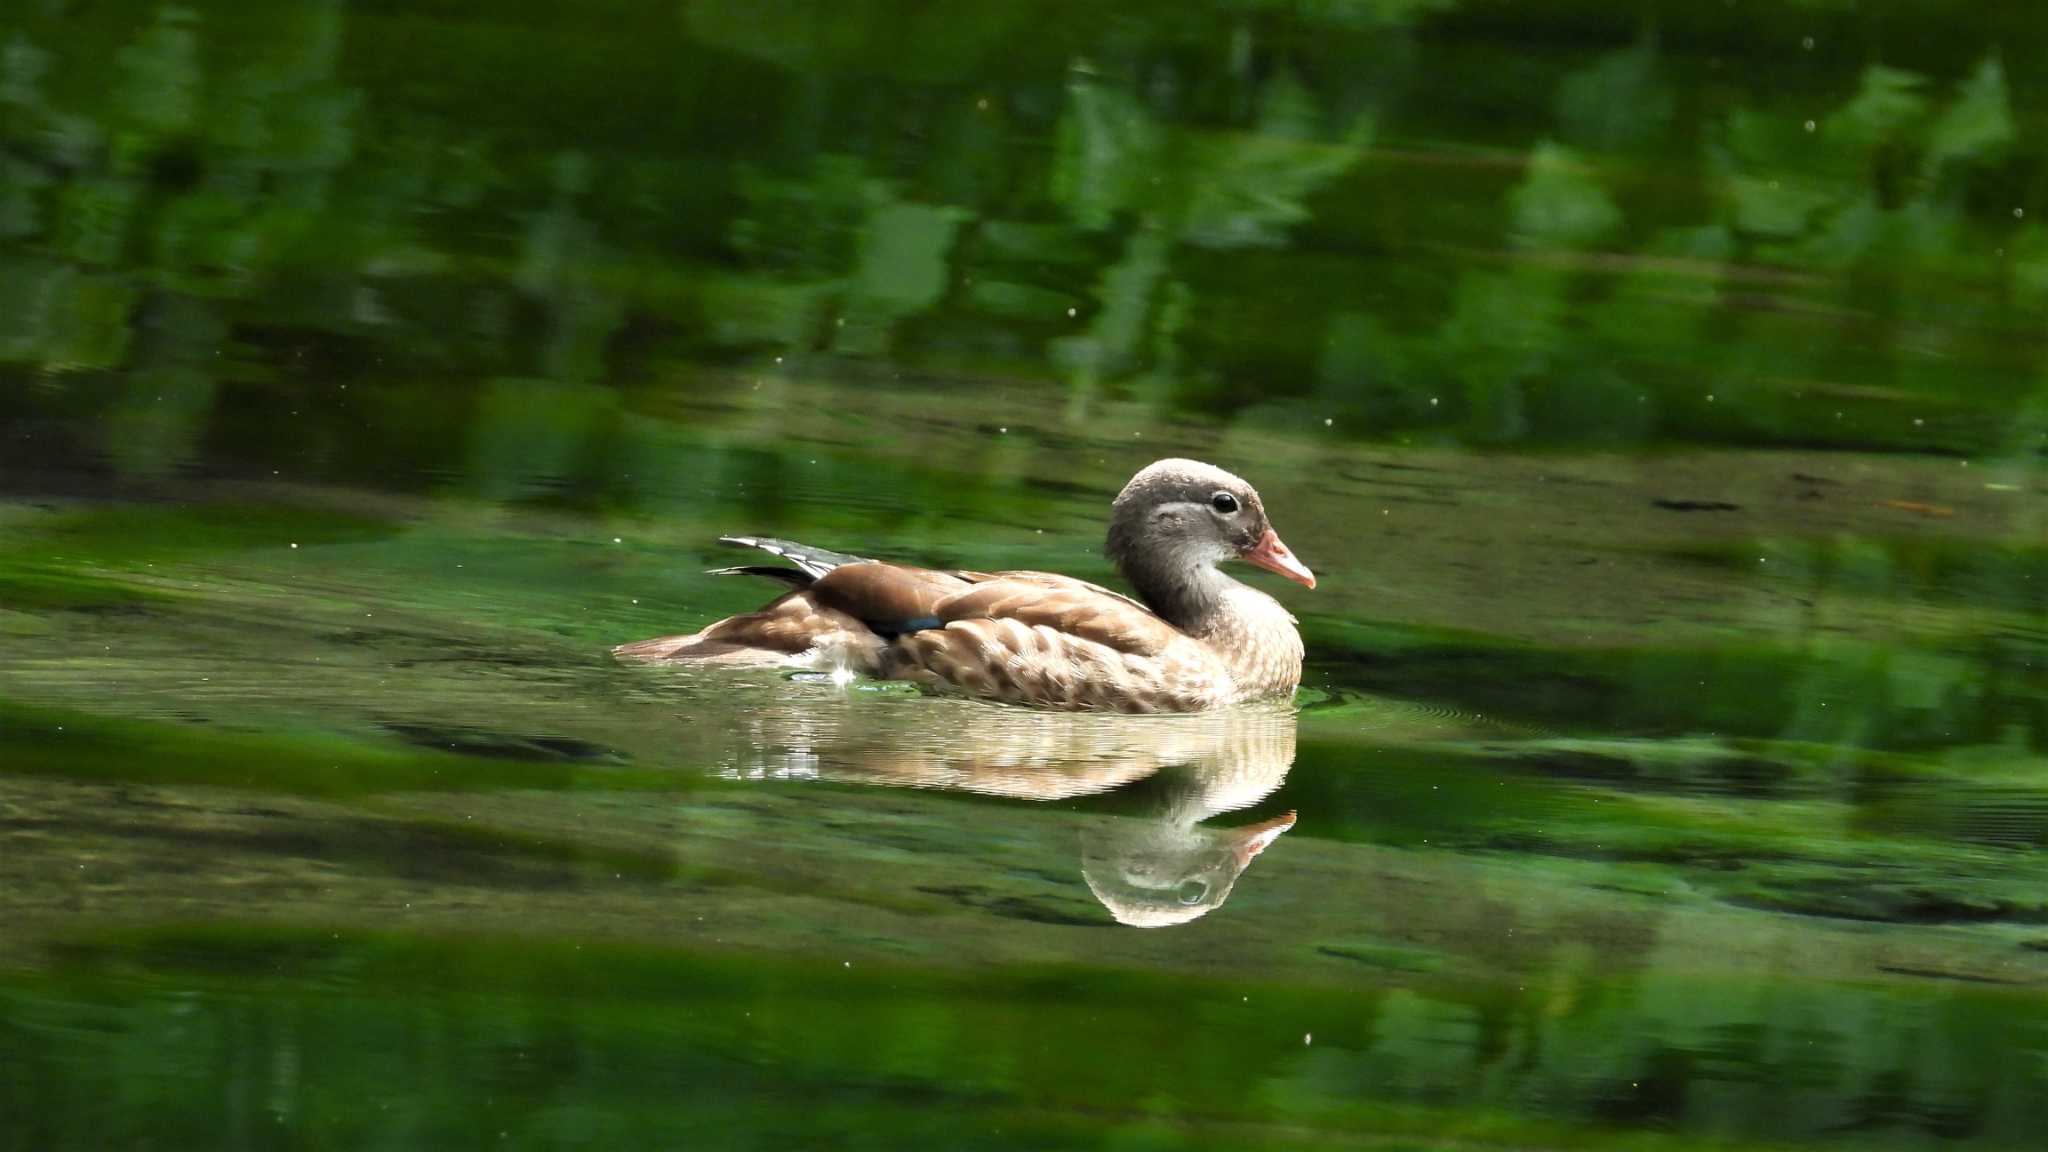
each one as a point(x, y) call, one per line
point(1656, 394)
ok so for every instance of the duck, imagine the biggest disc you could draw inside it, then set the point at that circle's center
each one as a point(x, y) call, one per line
point(1192, 638)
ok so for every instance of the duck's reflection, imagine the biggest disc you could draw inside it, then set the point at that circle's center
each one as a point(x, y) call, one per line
point(1165, 866)
point(1171, 869)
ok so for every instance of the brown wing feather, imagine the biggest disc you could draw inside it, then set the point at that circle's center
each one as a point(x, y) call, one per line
point(886, 596)
point(792, 623)
point(1066, 605)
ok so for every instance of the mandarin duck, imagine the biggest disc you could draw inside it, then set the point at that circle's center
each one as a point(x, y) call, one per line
point(1193, 639)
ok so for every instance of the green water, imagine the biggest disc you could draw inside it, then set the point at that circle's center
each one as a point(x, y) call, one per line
point(1656, 390)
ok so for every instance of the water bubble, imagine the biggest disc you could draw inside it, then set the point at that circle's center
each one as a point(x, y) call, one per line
point(1807, 43)
point(1810, 125)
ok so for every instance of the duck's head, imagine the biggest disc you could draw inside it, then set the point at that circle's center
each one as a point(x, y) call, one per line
point(1177, 518)
point(1153, 876)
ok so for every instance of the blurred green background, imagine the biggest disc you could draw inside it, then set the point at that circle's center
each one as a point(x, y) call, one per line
point(1494, 223)
point(1657, 390)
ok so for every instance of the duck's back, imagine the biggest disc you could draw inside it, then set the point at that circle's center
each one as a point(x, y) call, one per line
point(1034, 638)
point(1026, 637)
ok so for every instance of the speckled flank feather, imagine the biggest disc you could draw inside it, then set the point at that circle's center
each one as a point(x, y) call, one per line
point(1025, 637)
point(1006, 659)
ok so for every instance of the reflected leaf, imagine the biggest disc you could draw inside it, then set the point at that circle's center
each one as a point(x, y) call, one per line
point(58, 318)
point(1026, 302)
point(1246, 191)
point(315, 130)
point(561, 261)
point(2030, 266)
point(805, 225)
point(814, 36)
point(156, 425)
point(158, 93)
point(1287, 109)
point(93, 219)
point(1107, 149)
point(1668, 290)
point(1928, 230)
point(283, 112)
point(207, 235)
point(901, 270)
point(1370, 368)
point(760, 310)
point(1346, 13)
point(22, 67)
point(1014, 240)
point(1501, 333)
point(21, 185)
point(1616, 102)
point(1776, 207)
point(1888, 104)
point(1117, 332)
point(1560, 204)
point(1219, 190)
point(1977, 127)
point(1850, 234)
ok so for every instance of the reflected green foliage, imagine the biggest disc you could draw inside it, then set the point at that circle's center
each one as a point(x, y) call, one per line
point(1656, 390)
point(234, 193)
point(667, 1045)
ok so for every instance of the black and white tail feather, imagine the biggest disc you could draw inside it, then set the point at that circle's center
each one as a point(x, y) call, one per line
point(811, 563)
point(762, 637)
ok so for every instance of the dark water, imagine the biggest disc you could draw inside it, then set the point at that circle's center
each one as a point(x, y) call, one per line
point(1656, 390)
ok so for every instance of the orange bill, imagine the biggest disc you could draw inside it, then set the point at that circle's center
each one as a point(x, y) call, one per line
point(1252, 839)
point(1269, 553)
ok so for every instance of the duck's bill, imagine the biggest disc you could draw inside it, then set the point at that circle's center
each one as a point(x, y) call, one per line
point(1269, 553)
point(1252, 839)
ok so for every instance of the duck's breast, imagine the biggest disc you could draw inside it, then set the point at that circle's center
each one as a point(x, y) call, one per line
point(1257, 641)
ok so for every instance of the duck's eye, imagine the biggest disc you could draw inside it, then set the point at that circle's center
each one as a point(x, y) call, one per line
point(1223, 502)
